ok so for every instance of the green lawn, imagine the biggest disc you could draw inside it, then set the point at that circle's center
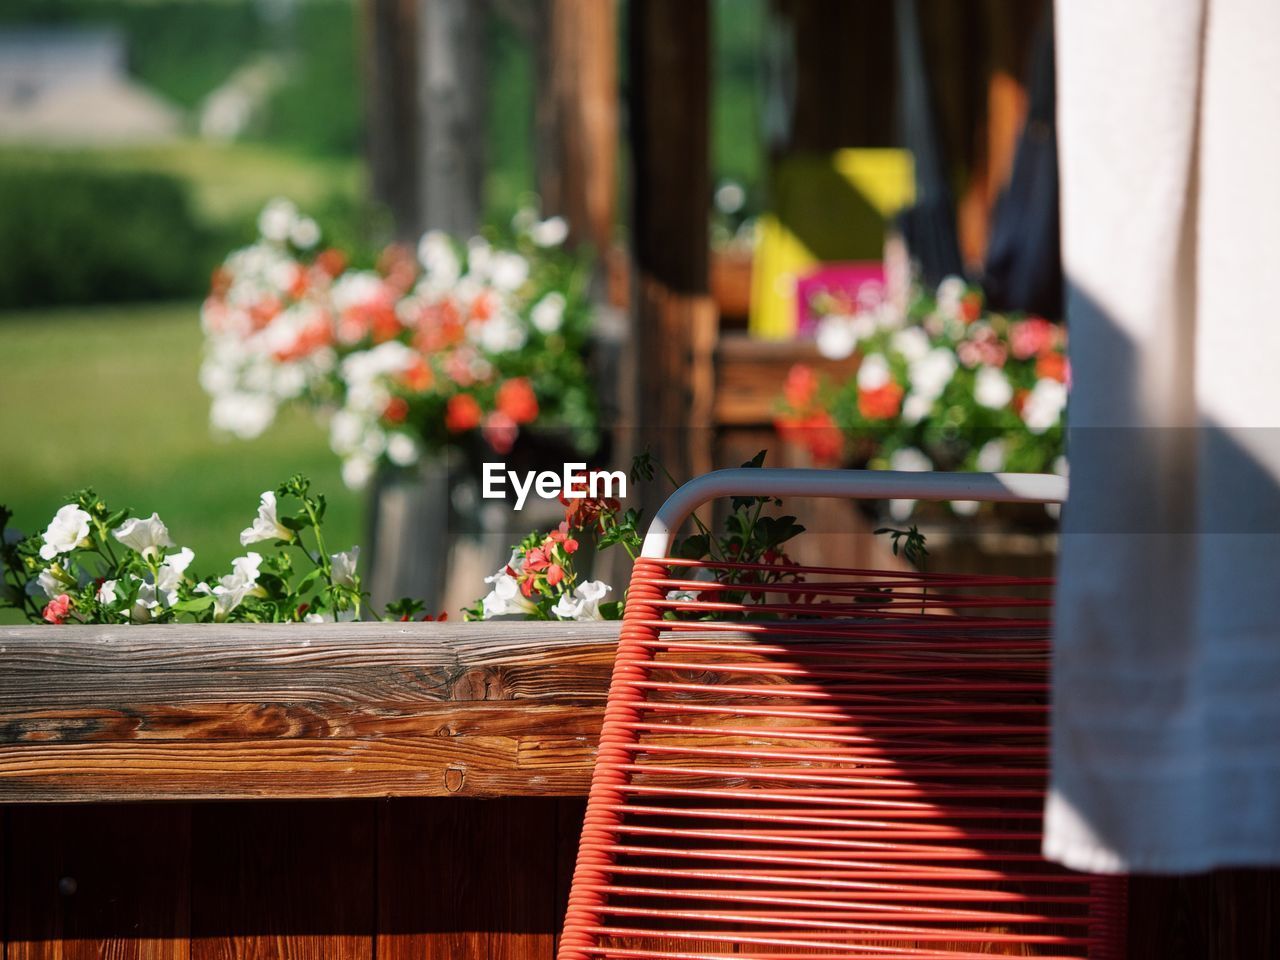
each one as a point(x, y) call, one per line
point(108, 398)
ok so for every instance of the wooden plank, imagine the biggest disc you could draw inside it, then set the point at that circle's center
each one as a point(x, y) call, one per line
point(110, 882)
point(228, 769)
point(471, 880)
point(289, 881)
point(175, 712)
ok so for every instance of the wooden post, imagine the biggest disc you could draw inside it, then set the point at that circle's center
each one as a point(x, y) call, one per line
point(844, 74)
point(674, 315)
point(391, 110)
point(577, 117)
point(451, 104)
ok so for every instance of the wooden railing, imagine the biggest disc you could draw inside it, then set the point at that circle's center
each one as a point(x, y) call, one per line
point(300, 711)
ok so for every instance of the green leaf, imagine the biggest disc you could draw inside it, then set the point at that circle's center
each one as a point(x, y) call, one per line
point(194, 604)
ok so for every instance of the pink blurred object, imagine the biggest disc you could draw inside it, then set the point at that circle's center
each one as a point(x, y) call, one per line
point(852, 286)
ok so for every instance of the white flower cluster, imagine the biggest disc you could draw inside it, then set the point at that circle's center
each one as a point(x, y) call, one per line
point(505, 598)
point(281, 327)
point(931, 365)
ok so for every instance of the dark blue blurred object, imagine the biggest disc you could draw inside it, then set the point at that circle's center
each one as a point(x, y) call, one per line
point(1024, 261)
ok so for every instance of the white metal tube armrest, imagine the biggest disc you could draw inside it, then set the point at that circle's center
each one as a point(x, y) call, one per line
point(845, 485)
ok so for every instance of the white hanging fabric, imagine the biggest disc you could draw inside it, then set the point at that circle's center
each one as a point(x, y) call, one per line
point(1166, 742)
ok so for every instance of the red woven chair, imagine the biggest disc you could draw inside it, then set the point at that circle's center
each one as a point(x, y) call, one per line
point(859, 776)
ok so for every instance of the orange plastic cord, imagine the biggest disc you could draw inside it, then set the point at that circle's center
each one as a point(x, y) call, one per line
point(850, 764)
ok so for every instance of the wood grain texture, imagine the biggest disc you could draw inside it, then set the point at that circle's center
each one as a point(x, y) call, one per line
point(111, 886)
point(353, 710)
point(487, 868)
point(277, 881)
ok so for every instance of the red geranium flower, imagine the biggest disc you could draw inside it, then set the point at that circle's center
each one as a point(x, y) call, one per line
point(823, 438)
point(57, 609)
point(332, 262)
point(881, 403)
point(396, 410)
point(517, 400)
point(462, 413)
point(1053, 366)
point(801, 387)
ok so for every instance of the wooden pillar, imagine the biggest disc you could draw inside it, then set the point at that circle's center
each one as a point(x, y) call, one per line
point(577, 116)
point(673, 313)
point(843, 63)
point(451, 105)
point(391, 109)
point(425, 95)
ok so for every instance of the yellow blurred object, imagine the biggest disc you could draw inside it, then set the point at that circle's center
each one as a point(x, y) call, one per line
point(827, 208)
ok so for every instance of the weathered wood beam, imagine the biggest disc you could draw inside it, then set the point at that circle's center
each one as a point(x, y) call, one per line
point(342, 710)
point(577, 116)
point(674, 315)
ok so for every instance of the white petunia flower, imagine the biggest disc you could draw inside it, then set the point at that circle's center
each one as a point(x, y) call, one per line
point(912, 460)
point(915, 408)
point(344, 567)
point(169, 577)
point(266, 525)
point(357, 470)
point(146, 537)
point(438, 258)
point(344, 616)
point(66, 531)
point(965, 508)
point(145, 603)
point(991, 457)
point(835, 337)
point(548, 313)
point(305, 233)
point(402, 449)
point(550, 232)
point(232, 589)
point(106, 592)
point(585, 602)
point(500, 334)
point(277, 219)
point(48, 584)
point(951, 293)
point(991, 388)
point(912, 343)
point(873, 372)
point(508, 271)
point(505, 597)
point(245, 415)
point(1044, 405)
point(931, 374)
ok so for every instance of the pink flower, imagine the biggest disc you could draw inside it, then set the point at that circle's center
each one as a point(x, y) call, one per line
point(500, 431)
point(57, 609)
point(1030, 337)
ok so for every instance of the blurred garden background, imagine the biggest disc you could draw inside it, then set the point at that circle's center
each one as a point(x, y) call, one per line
point(705, 155)
point(109, 231)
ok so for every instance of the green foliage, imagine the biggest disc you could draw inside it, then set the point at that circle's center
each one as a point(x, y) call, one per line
point(910, 543)
point(318, 108)
point(76, 235)
point(70, 417)
point(96, 565)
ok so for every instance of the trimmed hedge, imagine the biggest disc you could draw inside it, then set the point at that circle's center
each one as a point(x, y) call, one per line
point(86, 236)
